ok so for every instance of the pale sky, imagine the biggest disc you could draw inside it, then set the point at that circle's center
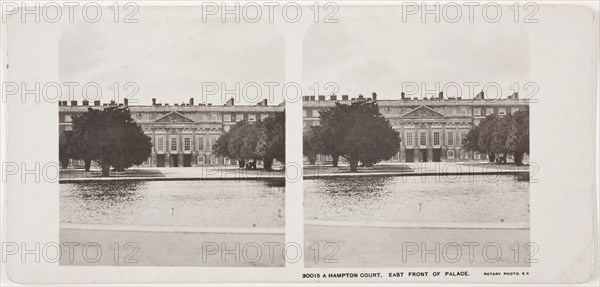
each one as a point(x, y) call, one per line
point(170, 53)
point(365, 54)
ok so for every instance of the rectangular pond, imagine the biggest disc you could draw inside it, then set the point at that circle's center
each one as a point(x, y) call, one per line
point(462, 198)
point(213, 203)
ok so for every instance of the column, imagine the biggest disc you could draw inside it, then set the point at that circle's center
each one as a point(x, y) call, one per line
point(167, 147)
point(194, 153)
point(417, 144)
point(429, 143)
point(180, 147)
point(153, 153)
point(443, 143)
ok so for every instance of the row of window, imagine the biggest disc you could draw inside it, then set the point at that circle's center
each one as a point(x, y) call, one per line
point(187, 143)
point(423, 138)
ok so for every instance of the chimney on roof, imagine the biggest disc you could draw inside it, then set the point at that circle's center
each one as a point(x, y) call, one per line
point(154, 101)
point(360, 96)
point(333, 97)
point(59, 103)
point(230, 102)
point(96, 103)
point(514, 96)
point(85, 103)
point(74, 103)
point(112, 103)
point(402, 95)
point(305, 98)
point(126, 101)
point(480, 96)
point(263, 103)
point(344, 97)
point(191, 101)
point(321, 98)
point(441, 95)
point(374, 96)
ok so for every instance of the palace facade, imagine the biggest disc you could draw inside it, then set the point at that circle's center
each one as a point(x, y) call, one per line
point(431, 129)
point(182, 135)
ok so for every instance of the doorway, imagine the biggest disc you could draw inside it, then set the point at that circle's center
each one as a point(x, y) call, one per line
point(187, 160)
point(175, 160)
point(423, 155)
point(160, 160)
point(410, 155)
point(437, 155)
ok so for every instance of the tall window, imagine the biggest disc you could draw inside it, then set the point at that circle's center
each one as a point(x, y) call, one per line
point(409, 139)
point(436, 138)
point(450, 138)
point(489, 111)
point(200, 143)
point(463, 135)
point(251, 117)
point(227, 117)
point(173, 144)
point(160, 144)
point(502, 111)
point(477, 111)
point(187, 144)
point(423, 138)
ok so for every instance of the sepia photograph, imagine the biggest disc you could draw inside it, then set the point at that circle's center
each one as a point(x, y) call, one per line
point(403, 167)
point(177, 170)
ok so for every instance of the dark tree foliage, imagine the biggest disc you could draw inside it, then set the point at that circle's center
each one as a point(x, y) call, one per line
point(251, 141)
point(271, 141)
point(310, 146)
point(110, 137)
point(358, 132)
point(499, 136)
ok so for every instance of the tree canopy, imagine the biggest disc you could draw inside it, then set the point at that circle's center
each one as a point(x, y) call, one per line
point(358, 132)
point(110, 137)
point(497, 136)
point(249, 141)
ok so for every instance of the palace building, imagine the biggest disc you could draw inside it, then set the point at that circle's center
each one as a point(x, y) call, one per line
point(431, 129)
point(182, 135)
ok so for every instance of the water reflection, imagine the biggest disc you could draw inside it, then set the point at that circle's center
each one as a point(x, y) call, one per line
point(174, 203)
point(418, 199)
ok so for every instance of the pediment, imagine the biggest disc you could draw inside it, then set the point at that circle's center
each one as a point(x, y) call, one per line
point(422, 112)
point(173, 117)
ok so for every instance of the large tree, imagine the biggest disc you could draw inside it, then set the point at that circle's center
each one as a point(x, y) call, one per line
point(358, 132)
point(310, 145)
point(271, 141)
point(499, 136)
point(230, 143)
point(251, 141)
point(110, 137)
point(518, 135)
